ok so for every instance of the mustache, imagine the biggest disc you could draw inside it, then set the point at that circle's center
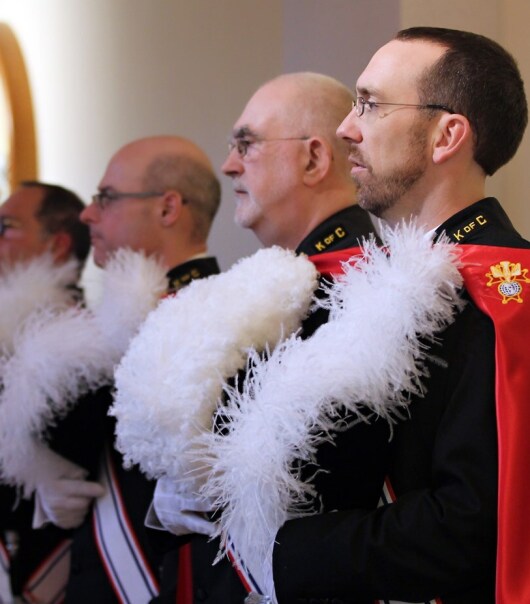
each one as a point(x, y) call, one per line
point(237, 186)
point(355, 157)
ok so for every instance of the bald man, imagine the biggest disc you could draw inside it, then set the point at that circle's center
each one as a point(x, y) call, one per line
point(292, 187)
point(158, 195)
point(289, 171)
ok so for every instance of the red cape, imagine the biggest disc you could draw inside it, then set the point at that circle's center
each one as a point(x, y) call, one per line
point(497, 280)
point(329, 264)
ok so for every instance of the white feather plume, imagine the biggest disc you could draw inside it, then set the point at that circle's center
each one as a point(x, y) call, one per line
point(27, 286)
point(168, 383)
point(288, 403)
point(132, 285)
point(59, 355)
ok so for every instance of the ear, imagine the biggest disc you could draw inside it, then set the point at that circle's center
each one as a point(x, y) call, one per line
point(171, 207)
point(317, 161)
point(453, 133)
point(61, 246)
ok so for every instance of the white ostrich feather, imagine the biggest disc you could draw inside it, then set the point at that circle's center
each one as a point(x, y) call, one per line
point(28, 286)
point(132, 285)
point(289, 401)
point(59, 355)
point(168, 383)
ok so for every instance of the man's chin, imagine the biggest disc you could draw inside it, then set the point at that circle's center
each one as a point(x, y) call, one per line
point(241, 220)
point(100, 259)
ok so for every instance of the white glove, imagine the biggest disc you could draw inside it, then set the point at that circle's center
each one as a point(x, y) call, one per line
point(178, 512)
point(44, 465)
point(62, 495)
point(64, 502)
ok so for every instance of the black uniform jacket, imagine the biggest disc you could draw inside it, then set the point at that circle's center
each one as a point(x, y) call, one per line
point(82, 436)
point(438, 539)
point(354, 466)
point(28, 548)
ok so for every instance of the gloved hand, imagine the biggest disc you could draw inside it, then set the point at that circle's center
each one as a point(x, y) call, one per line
point(62, 495)
point(179, 512)
point(64, 501)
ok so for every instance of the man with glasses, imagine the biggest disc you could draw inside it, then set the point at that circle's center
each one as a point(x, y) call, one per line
point(159, 195)
point(40, 218)
point(292, 188)
point(43, 248)
point(436, 112)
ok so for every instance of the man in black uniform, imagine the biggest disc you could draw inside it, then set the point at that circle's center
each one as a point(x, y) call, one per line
point(291, 181)
point(158, 195)
point(436, 112)
point(37, 219)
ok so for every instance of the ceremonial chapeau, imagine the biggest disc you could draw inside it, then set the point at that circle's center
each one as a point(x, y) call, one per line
point(29, 286)
point(169, 381)
point(48, 372)
point(498, 282)
point(292, 398)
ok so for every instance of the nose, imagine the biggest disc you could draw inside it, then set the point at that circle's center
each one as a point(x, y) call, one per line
point(233, 166)
point(349, 129)
point(90, 213)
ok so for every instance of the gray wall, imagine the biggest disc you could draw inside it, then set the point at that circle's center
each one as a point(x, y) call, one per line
point(104, 72)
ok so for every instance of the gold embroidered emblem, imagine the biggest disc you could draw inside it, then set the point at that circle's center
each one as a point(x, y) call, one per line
point(508, 276)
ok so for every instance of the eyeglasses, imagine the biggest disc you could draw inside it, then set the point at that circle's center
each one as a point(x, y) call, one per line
point(105, 197)
point(8, 223)
point(242, 145)
point(361, 105)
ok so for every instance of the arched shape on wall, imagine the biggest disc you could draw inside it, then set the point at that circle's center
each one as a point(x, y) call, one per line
point(17, 125)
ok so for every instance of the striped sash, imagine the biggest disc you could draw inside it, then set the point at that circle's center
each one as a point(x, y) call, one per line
point(122, 557)
point(388, 496)
point(5, 584)
point(255, 593)
point(47, 584)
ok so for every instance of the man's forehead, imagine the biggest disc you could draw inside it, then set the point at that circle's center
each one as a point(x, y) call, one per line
point(265, 111)
point(24, 201)
point(124, 170)
point(396, 68)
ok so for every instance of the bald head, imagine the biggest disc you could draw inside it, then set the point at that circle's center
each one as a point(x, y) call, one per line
point(289, 170)
point(164, 196)
point(139, 153)
point(314, 102)
point(306, 104)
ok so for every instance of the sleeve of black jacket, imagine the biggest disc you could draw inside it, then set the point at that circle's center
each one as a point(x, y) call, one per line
point(80, 436)
point(438, 537)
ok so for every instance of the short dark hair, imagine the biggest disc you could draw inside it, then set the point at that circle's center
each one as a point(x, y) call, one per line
point(197, 184)
point(479, 79)
point(59, 212)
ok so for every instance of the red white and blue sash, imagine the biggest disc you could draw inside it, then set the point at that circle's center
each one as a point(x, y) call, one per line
point(249, 582)
point(123, 559)
point(329, 265)
point(387, 497)
point(47, 584)
point(5, 584)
